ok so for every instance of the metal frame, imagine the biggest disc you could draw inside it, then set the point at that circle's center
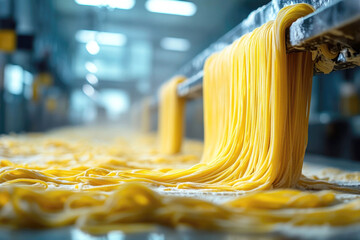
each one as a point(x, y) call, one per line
point(336, 23)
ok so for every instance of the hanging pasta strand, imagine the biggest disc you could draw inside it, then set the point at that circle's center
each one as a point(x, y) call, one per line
point(171, 117)
point(256, 110)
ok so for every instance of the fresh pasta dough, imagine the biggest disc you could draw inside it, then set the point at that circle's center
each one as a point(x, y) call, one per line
point(256, 109)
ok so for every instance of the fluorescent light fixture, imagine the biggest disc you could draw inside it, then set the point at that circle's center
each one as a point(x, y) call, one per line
point(174, 7)
point(14, 79)
point(113, 39)
point(120, 4)
point(175, 44)
point(93, 47)
point(102, 38)
point(88, 90)
point(92, 79)
point(91, 67)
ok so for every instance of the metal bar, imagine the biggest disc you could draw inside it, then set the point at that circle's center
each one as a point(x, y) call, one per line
point(336, 23)
point(192, 86)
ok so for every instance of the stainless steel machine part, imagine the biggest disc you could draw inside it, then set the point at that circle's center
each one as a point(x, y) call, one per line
point(334, 23)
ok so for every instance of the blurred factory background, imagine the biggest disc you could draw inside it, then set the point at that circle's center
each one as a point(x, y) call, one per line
point(73, 62)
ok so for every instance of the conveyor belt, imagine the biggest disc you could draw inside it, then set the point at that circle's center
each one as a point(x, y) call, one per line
point(336, 23)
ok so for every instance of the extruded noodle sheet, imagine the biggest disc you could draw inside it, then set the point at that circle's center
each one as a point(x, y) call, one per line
point(256, 110)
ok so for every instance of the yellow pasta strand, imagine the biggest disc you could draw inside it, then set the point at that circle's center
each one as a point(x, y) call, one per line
point(171, 117)
point(256, 110)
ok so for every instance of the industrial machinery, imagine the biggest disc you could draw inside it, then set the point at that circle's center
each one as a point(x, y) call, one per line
point(335, 23)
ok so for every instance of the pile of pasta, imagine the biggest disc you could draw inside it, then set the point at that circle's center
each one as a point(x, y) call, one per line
point(256, 111)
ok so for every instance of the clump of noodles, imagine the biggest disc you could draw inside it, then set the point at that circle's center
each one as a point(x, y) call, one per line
point(134, 208)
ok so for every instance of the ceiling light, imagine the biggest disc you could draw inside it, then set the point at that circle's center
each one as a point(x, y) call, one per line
point(88, 90)
point(182, 8)
point(114, 39)
point(93, 47)
point(91, 67)
point(120, 4)
point(102, 38)
point(92, 79)
point(175, 44)
point(14, 79)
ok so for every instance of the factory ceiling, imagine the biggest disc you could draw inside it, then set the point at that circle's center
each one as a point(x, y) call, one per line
point(146, 53)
